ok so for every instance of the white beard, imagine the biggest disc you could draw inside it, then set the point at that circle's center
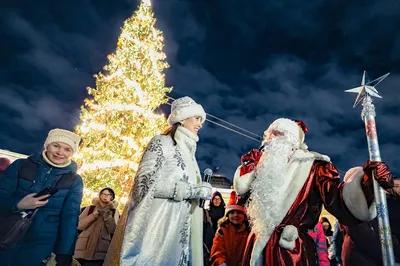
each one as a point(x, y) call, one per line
point(265, 190)
point(279, 177)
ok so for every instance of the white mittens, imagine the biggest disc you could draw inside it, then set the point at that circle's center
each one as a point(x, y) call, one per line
point(200, 191)
point(181, 190)
point(192, 191)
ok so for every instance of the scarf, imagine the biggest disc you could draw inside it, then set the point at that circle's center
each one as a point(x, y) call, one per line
point(187, 143)
point(47, 160)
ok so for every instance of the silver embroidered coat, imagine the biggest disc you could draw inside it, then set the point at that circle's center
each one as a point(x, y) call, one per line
point(161, 231)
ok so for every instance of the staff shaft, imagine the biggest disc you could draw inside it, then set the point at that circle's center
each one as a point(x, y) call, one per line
point(368, 116)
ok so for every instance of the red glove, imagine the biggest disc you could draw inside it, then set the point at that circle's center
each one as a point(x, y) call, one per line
point(381, 173)
point(249, 161)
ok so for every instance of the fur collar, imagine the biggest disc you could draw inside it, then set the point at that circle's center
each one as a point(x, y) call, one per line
point(270, 205)
point(187, 143)
point(187, 139)
point(112, 205)
point(305, 155)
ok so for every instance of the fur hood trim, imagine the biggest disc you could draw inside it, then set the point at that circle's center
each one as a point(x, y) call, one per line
point(113, 204)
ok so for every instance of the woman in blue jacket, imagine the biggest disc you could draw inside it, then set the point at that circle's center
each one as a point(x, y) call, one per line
point(54, 228)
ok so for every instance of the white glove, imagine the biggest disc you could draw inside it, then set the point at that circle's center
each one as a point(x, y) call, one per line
point(182, 191)
point(199, 191)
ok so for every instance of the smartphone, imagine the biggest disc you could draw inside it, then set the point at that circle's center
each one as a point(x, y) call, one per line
point(47, 191)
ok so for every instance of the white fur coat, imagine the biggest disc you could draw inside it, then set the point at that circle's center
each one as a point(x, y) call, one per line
point(162, 231)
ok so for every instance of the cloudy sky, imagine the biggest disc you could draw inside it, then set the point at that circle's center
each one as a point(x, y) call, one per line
point(248, 62)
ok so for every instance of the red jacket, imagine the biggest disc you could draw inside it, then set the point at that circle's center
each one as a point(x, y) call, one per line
point(229, 244)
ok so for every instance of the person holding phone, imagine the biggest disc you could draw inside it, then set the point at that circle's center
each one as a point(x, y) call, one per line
point(47, 181)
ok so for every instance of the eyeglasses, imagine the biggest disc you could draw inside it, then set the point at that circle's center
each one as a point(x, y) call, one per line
point(106, 195)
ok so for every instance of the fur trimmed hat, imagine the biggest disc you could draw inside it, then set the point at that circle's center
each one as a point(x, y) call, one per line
point(295, 129)
point(64, 136)
point(183, 108)
point(233, 204)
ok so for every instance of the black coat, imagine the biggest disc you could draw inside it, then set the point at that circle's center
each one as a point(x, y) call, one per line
point(216, 213)
point(208, 237)
point(393, 203)
point(361, 245)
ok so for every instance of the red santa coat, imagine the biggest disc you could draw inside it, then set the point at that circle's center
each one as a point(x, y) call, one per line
point(322, 187)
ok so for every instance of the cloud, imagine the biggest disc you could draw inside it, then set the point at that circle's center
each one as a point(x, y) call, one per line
point(36, 113)
point(248, 64)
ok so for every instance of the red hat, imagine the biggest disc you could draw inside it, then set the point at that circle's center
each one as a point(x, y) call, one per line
point(302, 125)
point(233, 204)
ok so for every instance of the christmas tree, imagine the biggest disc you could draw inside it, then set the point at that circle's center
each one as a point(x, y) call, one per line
point(118, 119)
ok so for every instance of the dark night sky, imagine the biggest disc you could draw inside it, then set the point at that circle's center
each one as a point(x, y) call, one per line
point(246, 63)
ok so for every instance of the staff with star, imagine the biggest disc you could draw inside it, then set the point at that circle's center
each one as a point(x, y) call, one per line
point(365, 93)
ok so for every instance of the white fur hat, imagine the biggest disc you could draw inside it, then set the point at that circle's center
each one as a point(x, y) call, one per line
point(183, 108)
point(289, 128)
point(64, 136)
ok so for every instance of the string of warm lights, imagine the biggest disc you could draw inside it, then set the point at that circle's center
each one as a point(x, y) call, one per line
point(226, 122)
point(228, 128)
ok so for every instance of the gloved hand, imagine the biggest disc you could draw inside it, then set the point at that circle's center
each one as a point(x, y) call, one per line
point(381, 171)
point(63, 260)
point(199, 191)
point(223, 264)
point(181, 190)
point(249, 161)
point(106, 213)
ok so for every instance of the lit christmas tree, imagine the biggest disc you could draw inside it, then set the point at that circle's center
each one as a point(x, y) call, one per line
point(119, 118)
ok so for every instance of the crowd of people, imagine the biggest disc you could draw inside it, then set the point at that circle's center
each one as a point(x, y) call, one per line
point(273, 216)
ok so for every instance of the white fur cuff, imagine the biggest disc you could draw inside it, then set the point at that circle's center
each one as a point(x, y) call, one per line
point(242, 183)
point(288, 237)
point(356, 202)
point(180, 191)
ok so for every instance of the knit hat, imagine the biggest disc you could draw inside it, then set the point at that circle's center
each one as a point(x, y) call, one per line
point(64, 136)
point(294, 129)
point(184, 108)
point(217, 193)
point(233, 204)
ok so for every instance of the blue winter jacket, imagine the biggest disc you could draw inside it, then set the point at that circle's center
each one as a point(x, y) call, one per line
point(54, 228)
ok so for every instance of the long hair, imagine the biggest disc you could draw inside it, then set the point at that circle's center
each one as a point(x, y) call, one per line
point(171, 131)
point(325, 220)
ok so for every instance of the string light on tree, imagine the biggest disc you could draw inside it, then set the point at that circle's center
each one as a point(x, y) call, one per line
point(119, 119)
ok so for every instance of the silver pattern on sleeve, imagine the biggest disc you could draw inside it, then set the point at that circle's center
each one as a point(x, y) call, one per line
point(157, 230)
